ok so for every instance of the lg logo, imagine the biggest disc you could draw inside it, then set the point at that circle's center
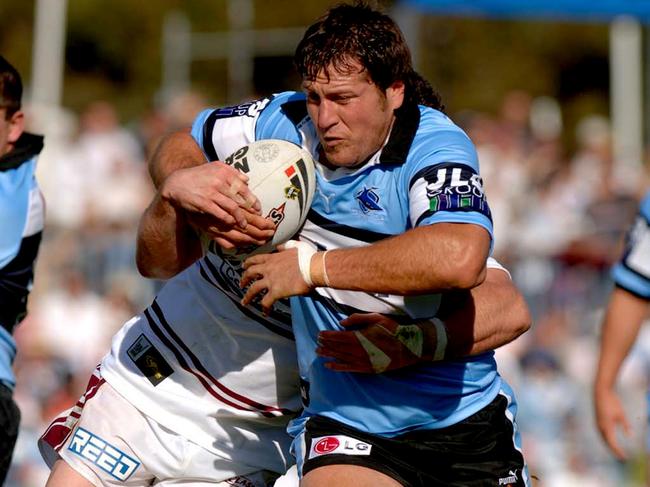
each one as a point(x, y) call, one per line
point(338, 444)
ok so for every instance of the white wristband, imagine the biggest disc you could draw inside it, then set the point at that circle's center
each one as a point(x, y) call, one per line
point(305, 252)
point(441, 339)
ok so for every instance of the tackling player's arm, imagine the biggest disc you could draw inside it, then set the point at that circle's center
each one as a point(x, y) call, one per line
point(623, 319)
point(194, 197)
point(471, 322)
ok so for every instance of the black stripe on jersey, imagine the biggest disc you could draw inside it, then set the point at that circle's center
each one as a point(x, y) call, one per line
point(302, 167)
point(264, 409)
point(183, 363)
point(208, 127)
point(346, 309)
point(401, 137)
point(281, 317)
point(295, 180)
point(367, 236)
point(277, 329)
point(15, 282)
point(296, 110)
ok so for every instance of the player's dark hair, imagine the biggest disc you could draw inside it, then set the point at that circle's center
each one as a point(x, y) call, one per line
point(11, 88)
point(349, 33)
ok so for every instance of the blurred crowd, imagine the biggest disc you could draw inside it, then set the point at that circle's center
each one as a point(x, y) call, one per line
point(560, 212)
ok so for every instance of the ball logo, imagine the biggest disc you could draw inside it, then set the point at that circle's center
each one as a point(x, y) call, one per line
point(326, 445)
point(266, 152)
point(276, 215)
point(291, 192)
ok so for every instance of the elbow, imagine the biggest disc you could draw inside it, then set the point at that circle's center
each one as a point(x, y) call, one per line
point(524, 320)
point(149, 269)
point(465, 274)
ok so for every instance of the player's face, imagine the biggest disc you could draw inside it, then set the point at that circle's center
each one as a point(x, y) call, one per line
point(352, 115)
point(10, 130)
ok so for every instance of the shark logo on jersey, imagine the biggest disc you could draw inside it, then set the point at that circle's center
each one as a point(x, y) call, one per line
point(368, 200)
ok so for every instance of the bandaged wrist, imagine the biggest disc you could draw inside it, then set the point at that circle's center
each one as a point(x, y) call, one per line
point(326, 278)
point(441, 339)
point(305, 253)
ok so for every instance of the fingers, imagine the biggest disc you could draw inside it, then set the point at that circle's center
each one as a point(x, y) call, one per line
point(349, 359)
point(361, 319)
point(248, 276)
point(331, 343)
point(216, 189)
point(260, 224)
point(254, 260)
point(238, 191)
point(256, 288)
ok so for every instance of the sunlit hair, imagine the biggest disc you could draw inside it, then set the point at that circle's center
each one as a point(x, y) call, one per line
point(11, 88)
point(349, 33)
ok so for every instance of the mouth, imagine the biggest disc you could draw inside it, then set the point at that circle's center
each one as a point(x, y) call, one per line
point(331, 142)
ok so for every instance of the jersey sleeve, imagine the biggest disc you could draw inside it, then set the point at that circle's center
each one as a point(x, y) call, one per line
point(221, 131)
point(632, 271)
point(16, 185)
point(444, 183)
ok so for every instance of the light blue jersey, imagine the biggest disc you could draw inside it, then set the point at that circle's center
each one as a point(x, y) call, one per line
point(21, 224)
point(632, 271)
point(425, 174)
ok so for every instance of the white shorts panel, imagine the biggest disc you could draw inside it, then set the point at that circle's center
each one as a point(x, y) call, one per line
point(113, 444)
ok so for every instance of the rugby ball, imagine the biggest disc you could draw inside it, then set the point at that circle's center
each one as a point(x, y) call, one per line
point(282, 176)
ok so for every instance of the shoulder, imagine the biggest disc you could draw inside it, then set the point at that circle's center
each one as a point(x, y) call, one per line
point(286, 107)
point(437, 129)
point(439, 140)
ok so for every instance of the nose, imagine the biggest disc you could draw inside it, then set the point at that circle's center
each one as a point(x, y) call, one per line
point(327, 116)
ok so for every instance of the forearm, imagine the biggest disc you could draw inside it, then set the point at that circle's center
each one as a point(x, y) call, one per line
point(424, 260)
point(484, 318)
point(166, 243)
point(177, 150)
point(623, 318)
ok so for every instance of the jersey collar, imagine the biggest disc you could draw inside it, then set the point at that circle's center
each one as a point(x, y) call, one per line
point(27, 146)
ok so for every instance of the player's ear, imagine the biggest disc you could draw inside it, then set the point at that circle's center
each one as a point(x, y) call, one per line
point(16, 127)
point(395, 94)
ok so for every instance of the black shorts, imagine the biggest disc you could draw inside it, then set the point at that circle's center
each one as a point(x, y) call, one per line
point(478, 451)
point(9, 422)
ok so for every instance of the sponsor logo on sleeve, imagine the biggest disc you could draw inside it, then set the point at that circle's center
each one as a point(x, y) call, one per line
point(111, 460)
point(339, 445)
point(455, 187)
point(248, 109)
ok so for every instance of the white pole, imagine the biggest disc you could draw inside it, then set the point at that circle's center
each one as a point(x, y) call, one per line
point(240, 52)
point(49, 52)
point(626, 100)
point(176, 54)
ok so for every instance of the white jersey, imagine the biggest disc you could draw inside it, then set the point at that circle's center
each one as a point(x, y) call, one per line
point(200, 364)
